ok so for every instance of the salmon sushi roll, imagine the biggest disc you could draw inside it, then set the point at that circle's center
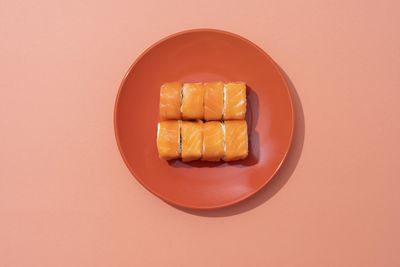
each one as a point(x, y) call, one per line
point(170, 101)
point(236, 140)
point(168, 139)
point(235, 101)
point(213, 101)
point(213, 141)
point(191, 140)
point(192, 101)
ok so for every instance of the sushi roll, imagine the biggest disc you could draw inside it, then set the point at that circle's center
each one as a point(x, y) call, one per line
point(191, 140)
point(170, 101)
point(168, 139)
point(192, 107)
point(235, 101)
point(236, 140)
point(213, 101)
point(213, 141)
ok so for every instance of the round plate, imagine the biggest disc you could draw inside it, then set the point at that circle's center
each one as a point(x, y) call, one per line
point(193, 56)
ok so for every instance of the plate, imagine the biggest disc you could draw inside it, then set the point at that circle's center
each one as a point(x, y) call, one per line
point(204, 55)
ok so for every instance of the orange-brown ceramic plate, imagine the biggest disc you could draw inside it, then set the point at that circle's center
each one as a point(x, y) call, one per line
point(204, 55)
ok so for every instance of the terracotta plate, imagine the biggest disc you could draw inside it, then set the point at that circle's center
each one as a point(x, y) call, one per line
point(204, 55)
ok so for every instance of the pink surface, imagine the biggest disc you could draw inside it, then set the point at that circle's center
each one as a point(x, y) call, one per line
point(67, 199)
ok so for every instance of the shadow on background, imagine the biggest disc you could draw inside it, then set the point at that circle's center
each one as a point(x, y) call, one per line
point(283, 175)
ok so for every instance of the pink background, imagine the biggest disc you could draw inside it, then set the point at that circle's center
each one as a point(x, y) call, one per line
point(67, 199)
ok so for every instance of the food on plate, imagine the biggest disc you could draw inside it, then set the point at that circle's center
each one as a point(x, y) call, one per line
point(209, 141)
point(168, 139)
point(213, 141)
point(203, 101)
point(191, 140)
point(170, 101)
point(182, 132)
point(213, 100)
point(236, 140)
point(235, 101)
point(192, 107)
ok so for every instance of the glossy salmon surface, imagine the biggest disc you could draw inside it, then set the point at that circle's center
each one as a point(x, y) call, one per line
point(213, 141)
point(235, 101)
point(192, 140)
point(170, 101)
point(192, 101)
point(213, 100)
point(168, 139)
point(236, 140)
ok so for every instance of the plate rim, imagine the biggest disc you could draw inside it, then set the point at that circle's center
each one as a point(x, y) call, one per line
point(197, 30)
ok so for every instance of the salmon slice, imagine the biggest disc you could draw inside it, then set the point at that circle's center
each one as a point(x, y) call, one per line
point(235, 101)
point(170, 101)
point(168, 139)
point(192, 101)
point(213, 100)
point(213, 141)
point(236, 140)
point(192, 140)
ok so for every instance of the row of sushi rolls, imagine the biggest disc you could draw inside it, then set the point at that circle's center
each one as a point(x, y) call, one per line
point(202, 121)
